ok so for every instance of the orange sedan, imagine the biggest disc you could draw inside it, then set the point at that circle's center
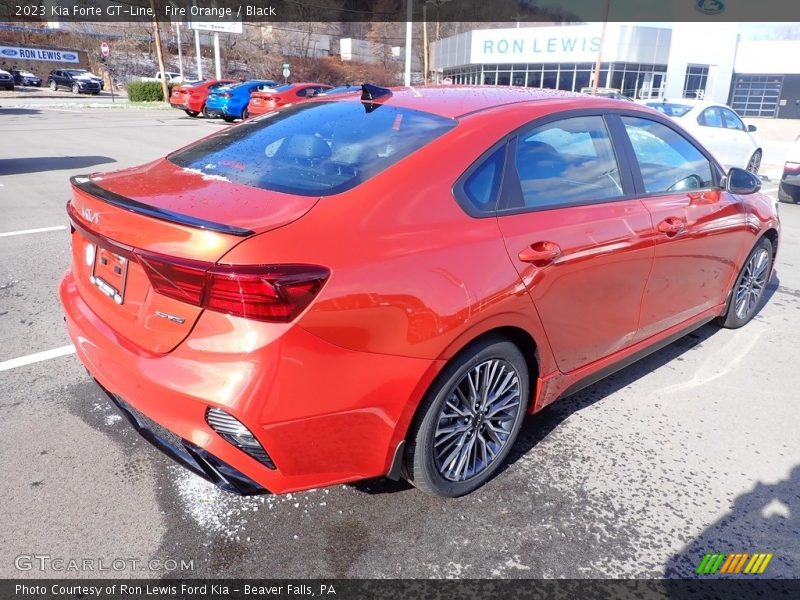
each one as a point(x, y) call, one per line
point(291, 93)
point(386, 284)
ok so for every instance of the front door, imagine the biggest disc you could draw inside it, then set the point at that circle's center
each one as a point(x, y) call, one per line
point(699, 229)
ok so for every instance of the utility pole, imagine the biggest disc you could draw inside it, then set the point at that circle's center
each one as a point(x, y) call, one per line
point(199, 54)
point(180, 52)
point(407, 76)
point(425, 48)
point(596, 82)
point(159, 52)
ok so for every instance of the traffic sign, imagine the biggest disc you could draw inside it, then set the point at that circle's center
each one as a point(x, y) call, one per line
point(105, 49)
point(286, 72)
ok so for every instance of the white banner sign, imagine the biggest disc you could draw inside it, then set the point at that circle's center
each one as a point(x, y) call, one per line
point(220, 26)
point(23, 53)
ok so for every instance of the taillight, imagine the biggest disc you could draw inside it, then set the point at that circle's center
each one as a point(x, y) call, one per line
point(264, 293)
point(178, 278)
point(791, 167)
point(275, 293)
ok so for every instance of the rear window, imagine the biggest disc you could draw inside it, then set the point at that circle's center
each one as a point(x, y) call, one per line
point(314, 149)
point(670, 109)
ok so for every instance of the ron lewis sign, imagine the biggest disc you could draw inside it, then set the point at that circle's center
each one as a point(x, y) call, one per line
point(43, 54)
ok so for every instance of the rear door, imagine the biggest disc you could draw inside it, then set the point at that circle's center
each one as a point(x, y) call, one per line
point(699, 229)
point(580, 240)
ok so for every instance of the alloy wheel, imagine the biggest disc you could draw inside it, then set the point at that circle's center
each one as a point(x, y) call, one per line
point(752, 283)
point(476, 420)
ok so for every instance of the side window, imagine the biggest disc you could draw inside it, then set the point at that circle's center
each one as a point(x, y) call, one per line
point(567, 161)
point(480, 189)
point(731, 120)
point(304, 92)
point(667, 160)
point(710, 117)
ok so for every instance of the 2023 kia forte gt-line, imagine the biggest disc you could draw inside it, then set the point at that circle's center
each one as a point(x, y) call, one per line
point(385, 284)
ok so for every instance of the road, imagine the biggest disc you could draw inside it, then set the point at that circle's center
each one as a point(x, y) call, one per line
point(692, 450)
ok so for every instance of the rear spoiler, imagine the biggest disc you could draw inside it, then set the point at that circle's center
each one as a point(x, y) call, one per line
point(84, 184)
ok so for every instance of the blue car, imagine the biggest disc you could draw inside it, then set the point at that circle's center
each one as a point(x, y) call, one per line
point(230, 101)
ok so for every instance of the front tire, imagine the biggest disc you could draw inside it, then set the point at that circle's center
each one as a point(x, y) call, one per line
point(469, 419)
point(191, 113)
point(228, 119)
point(755, 162)
point(747, 295)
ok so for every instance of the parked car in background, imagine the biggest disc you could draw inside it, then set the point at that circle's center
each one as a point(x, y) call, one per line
point(290, 93)
point(26, 78)
point(606, 93)
point(342, 89)
point(291, 304)
point(230, 101)
point(719, 129)
point(789, 188)
point(6, 80)
point(92, 76)
point(76, 80)
point(170, 76)
point(191, 97)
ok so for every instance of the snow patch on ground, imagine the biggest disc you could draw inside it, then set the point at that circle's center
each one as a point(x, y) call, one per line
point(219, 513)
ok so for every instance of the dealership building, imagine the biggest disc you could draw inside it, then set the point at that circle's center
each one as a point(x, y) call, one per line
point(758, 78)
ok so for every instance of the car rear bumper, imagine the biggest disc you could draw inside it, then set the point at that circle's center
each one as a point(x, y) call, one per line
point(324, 414)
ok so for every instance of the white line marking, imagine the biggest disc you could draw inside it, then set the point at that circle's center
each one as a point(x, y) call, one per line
point(40, 230)
point(38, 357)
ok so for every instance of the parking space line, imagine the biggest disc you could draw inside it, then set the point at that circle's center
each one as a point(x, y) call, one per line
point(40, 230)
point(37, 357)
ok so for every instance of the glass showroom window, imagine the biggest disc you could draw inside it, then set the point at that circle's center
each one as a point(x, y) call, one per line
point(694, 86)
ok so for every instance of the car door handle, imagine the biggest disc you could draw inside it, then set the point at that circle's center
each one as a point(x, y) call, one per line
point(671, 226)
point(541, 253)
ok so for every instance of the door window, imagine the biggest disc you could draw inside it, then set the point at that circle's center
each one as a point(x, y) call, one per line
point(710, 117)
point(567, 162)
point(668, 161)
point(732, 120)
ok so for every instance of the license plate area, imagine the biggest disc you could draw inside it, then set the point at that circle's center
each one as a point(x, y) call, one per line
point(109, 274)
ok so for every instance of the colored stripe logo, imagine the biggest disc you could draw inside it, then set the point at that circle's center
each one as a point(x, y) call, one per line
point(734, 563)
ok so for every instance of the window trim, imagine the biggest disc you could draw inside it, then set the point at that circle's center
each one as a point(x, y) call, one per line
point(716, 170)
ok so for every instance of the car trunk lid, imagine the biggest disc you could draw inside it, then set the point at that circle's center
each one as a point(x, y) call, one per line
point(126, 224)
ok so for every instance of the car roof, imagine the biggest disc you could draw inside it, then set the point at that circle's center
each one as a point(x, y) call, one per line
point(453, 101)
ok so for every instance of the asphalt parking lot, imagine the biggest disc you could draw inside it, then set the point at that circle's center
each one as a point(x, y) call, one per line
point(692, 450)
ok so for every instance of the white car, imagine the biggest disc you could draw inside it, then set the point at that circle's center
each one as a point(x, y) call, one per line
point(718, 128)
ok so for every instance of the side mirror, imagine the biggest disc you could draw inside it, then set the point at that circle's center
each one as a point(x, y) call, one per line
point(740, 181)
point(751, 128)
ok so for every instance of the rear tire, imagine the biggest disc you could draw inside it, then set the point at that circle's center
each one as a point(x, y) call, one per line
point(76, 88)
point(468, 420)
point(748, 291)
point(245, 115)
point(191, 113)
point(228, 119)
point(53, 85)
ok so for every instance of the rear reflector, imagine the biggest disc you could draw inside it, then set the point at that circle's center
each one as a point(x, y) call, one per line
point(234, 432)
point(276, 293)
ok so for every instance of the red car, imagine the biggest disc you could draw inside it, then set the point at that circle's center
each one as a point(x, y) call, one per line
point(191, 97)
point(386, 284)
point(291, 93)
